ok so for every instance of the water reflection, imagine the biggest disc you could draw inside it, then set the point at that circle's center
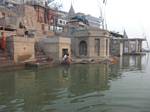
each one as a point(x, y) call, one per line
point(88, 78)
point(7, 87)
point(62, 89)
point(132, 63)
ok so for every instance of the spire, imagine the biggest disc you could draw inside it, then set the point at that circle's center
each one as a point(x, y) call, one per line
point(71, 12)
point(125, 34)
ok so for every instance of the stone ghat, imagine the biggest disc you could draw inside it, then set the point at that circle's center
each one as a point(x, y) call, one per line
point(47, 64)
point(39, 65)
point(28, 65)
point(111, 60)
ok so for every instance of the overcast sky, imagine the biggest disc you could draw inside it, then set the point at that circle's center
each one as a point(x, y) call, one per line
point(131, 15)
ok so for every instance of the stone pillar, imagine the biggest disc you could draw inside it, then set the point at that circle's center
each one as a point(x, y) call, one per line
point(140, 46)
point(136, 46)
point(121, 62)
point(129, 50)
point(121, 48)
point(107, 50)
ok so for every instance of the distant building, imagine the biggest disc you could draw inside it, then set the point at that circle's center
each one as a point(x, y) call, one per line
point(93, 21)
point(133, 45)
point(116, 44)
point(121, 44)
point(2, 2)
point(61, 20)
point(35, 2)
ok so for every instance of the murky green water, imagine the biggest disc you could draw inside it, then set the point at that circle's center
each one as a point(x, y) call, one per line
point(124, 87)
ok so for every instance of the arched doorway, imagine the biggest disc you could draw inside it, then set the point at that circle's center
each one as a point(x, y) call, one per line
point(83, 48)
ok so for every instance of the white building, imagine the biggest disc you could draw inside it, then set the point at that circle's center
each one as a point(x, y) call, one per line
point(93, 21)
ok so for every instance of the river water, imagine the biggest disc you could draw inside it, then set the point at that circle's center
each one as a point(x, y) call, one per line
point(123, 87)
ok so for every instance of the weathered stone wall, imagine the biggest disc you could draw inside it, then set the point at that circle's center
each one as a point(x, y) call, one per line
point(104, 47)
point(30, 18)
point(40, 11)
point(34, 19)
point(23, 49)
point(1, 14)
point(116, 47)
point(53, 47)
point(63, 43)
point(50, 49)
point(103, 50)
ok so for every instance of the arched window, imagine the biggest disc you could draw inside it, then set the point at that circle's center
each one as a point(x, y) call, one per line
point(83, 48)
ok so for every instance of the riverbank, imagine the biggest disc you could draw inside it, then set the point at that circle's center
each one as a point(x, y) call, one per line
point(47, 64)
point(12, 66)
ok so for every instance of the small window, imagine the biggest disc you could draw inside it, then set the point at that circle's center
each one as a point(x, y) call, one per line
point(60, 21)
point(64, 22)
point(97, 47)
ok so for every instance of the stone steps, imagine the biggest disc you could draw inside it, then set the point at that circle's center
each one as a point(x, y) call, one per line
point(42, 61)
point(5, 58)
point(41, 58)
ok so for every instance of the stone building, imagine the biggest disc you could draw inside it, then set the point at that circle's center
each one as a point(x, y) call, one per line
point(55, 47)
point(86, 41)
point(116, 44)
point(121, 44)
point(38, 19)
point(8, 19)
point(50, 19)
point(90, 43)
point(132, 45)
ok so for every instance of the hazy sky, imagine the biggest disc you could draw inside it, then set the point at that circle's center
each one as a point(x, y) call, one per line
point(131, 15)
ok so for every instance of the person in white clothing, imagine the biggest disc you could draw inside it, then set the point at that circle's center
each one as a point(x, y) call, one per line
point(65, 57)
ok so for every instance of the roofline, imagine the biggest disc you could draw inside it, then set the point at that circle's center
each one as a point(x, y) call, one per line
point(129, 39)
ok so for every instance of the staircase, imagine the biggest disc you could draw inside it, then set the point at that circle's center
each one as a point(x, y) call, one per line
point(41, 61)
point(5, 58)
point(41, 57)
